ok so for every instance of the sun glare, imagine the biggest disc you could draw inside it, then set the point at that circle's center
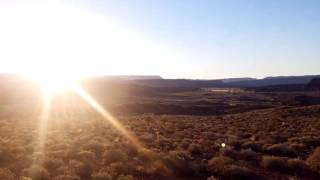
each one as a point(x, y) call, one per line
point(55, 82)
point(55, 34)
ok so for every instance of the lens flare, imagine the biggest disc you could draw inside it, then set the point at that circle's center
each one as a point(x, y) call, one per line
point(111, 119)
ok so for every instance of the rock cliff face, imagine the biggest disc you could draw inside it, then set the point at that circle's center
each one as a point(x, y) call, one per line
point(314, 84)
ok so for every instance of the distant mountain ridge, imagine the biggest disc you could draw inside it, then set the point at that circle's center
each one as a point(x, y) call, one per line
point(133, 77)
point(314, 84)
point(156, 81)
point(277, 80)
point(179, 83)
point(230, 80)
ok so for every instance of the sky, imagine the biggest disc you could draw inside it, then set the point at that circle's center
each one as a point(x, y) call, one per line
point(199, 39)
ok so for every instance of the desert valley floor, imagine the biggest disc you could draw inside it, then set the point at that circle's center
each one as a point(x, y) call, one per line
point(208, 134)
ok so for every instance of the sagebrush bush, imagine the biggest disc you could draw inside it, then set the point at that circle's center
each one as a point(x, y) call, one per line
point(114, 155)
point(101, 176)
point(178, 162)
point(195, 148)
point(237, 172)
point(274, 163)
point(314, 160)
point(5, 157)
point(299, 167)
point(83, 169)
point(255, 146)
point(6, 174)
point(125, 177)
point(66, 177)
point(282, 150)
point(217, 164)
point(52, 164)
point(86, 156)
point(212, 178)
point(37, 173)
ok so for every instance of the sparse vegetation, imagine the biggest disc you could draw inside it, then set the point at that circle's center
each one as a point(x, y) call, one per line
point(275, 143)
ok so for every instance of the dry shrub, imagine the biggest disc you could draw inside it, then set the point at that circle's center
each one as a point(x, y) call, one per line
point(274, 163)
point(311, 141)
point(246, 154)
point(298, 146)
point(249, 155)
point(59, 154)
point(195, 149)
point(298, 166)
point(255, 146)
point(236, 144)
point(224, 168)
point(101, 176)
point(66, 177)
point(5, 157)
point(6, 174)
point(24, 178)
point(114, 155)
point(178, 162)
point(94, 146)
point(117, 168)
point(86, 156)
point(217, 165)
point(227, 152)
point(84, 170)
point(212, 178)
point(125, 177)
point(147, 138)
point(37, 173)
point(281, 150)
point(185, 143)
point(157, 167)
point(314, 160)
point(52, 163)
point(236, 172)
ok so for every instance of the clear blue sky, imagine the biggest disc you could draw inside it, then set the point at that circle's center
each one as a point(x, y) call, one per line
point(218, 38)
point(227, 38)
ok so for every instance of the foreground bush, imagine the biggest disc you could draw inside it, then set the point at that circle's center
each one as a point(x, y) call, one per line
point(37, 173)
point(84, 170)
point(6, 174)
point(66, 177)
point(101, 176)
point(274, 163)
point(314, 160)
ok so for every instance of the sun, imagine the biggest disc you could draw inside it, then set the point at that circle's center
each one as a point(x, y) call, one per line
point(53, 83)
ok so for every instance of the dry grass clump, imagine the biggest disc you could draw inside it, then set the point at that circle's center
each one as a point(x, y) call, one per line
point(314, 160)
